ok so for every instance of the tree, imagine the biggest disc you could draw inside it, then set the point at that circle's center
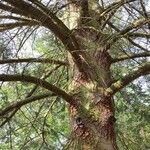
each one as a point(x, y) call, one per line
point(95, 37)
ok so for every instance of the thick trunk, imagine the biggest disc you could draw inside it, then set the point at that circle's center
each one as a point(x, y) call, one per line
point(92, 121)
point(92, 127)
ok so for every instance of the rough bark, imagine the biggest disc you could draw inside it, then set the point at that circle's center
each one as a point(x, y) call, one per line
point(93, 126)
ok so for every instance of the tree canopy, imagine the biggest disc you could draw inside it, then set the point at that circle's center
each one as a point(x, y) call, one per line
point(70, 68)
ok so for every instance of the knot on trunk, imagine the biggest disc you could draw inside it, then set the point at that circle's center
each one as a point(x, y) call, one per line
point(111, 120)
point(80, 128)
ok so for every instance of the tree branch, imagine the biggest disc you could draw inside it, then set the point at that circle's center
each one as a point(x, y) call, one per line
point(19, 104)
point(7, 119)
point(14, 18)
point(9, 26)
point(60, 93)
point(117, 86)
point(142, 12)
point(37, 11)
point(131, 56)
point(45, 76)
point(135, 24)
point(123, 33)
point(137, 45)
point(115, 5)
point(25, 78)
point(44, 16)
point(31, 60)
point(127, 37)
point(136, 35)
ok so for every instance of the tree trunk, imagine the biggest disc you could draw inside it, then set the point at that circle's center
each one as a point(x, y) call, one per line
point(93, 124)
point(92, 121)
point(92, 127)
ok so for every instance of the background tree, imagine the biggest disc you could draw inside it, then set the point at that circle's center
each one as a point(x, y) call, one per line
point(85, 53)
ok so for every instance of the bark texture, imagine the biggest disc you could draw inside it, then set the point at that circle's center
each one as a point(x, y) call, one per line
point(93, 120)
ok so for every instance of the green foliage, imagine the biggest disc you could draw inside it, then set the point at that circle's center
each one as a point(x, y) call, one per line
point(44, 124)
point(133, 123)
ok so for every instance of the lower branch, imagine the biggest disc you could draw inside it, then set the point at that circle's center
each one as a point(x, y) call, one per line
point(9, 26)
point(25, 78)
point(136, 35)
point(31, 60)
point(8, 118)
point(117, 86)
point(19, 104)
point(144, 54)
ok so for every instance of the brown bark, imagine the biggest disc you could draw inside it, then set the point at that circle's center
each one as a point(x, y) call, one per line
point(93, 126)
